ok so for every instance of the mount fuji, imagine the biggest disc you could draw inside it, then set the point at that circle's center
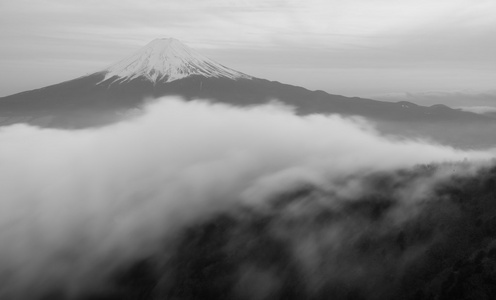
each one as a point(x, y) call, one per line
point(167, 60)
point(168, 67)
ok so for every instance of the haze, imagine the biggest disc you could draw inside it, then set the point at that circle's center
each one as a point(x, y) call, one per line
point(354, 48)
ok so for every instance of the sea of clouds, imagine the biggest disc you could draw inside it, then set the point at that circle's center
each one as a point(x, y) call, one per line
point(76, 205)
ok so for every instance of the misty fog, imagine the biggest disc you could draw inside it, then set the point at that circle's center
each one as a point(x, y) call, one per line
point(79, 206)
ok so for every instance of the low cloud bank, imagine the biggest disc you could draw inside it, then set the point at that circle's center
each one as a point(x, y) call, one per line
point(479, 109)
point(77, 206)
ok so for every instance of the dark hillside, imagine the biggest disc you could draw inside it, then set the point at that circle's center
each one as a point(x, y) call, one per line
point(380, 245)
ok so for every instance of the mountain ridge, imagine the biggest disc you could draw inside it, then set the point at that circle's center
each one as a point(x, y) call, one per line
point(103, 98)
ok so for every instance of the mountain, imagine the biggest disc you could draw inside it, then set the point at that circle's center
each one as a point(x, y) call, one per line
point(167, 60)
point(168, 67)
point(446, 250)
point(462, 98)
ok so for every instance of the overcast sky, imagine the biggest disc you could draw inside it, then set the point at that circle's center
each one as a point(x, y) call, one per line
point(350, 47)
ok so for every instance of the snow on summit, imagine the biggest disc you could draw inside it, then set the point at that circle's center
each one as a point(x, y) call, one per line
point(166, 60)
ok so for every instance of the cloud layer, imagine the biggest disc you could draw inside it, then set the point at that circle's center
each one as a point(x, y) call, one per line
point(85, 202)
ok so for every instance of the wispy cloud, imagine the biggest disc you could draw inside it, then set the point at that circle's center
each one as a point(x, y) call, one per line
point(479, 109)
point(78, 205)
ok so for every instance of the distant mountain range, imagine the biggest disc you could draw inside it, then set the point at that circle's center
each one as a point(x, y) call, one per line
point(168, 67)
point(450, 98)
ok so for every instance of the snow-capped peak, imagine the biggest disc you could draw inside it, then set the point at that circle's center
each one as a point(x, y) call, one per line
point(166, 60)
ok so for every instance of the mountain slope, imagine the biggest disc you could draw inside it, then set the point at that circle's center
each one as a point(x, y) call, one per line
point(168, 67)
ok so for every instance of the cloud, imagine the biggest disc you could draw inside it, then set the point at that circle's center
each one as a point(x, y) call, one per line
point(479, 109)
point(311, 243)
point(86, 202)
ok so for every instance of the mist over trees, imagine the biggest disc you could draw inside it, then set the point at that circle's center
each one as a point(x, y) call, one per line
point(310, 244)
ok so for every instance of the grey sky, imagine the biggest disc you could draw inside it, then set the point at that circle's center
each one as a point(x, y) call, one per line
point(351, 47)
